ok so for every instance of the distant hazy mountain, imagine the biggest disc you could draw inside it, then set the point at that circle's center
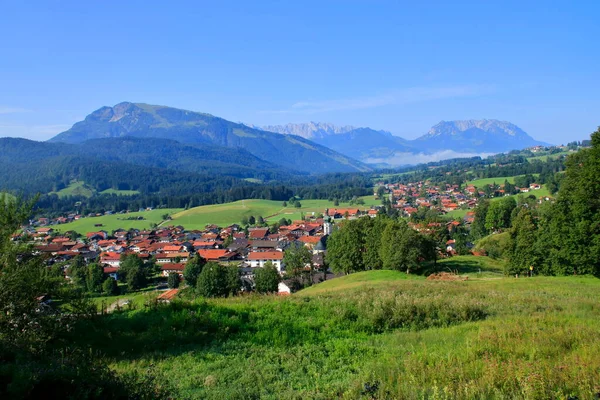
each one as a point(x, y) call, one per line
point(309, 130)
point(486, 135)
point(446, 139)
point(359, 143)
point(188, 127)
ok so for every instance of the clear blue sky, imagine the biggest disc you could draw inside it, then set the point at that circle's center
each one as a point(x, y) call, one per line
point(399, 66)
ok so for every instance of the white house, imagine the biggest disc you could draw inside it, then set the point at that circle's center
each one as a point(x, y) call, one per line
point(260, 258)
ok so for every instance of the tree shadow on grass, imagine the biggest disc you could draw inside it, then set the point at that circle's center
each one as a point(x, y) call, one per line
point(459, 266)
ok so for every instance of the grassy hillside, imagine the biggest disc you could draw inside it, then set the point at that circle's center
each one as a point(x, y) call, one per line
point(112, 222)
point(480, 183)
point(370, 335)
point(230, 213)
point(76, 188)
point(220, 214)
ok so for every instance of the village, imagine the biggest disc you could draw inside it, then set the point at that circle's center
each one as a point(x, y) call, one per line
point(171, 247)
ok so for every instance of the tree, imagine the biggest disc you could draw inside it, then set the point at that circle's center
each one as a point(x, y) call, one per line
point(94, 278)
point(193, 268)
point(403, 248)
point(285, 204)
point(499, 213)
point(244, 220)
point(233, 283)
point(27, 324)
point(569, 230)
point(344, 248)
point(373, 229)
point(296, 258)
point(132, 267)
point(110, 287)
point(267, 278)
point(173, 280)
point(297, 204)
point(478, 228)
point(211, 281)
point(251, 220)
point(522, 240)
point(336, 202)
point(77, 272)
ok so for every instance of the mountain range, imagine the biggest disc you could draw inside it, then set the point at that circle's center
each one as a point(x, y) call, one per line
point(193, 128)
point(453, 137)
point(157, 149)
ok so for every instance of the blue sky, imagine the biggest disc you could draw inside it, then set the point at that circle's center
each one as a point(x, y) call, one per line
point(398, 66)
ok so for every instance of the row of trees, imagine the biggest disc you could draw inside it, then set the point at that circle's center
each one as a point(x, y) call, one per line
point(563, 238)
point(376, 243)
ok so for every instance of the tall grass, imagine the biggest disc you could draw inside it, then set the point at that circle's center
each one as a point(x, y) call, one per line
point(503, 338)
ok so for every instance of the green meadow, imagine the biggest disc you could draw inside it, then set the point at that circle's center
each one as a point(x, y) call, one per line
point(370, 335)
point(219, 214)
point(232, 213)
point(116, 221)
point(80, 188)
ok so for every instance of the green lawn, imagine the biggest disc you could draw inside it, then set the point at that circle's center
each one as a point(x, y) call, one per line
point(116, 221)
point(370, 335)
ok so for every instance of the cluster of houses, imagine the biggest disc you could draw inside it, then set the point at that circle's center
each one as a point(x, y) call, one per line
point(408, 198)
point(171, 247)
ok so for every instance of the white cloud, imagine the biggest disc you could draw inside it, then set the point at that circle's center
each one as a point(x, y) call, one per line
point(399, 159)
point(397, 97)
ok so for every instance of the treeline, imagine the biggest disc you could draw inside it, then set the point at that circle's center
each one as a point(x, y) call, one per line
point(343, 187)
point(559, 238)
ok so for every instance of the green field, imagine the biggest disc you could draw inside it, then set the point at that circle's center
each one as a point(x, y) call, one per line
point(456, 214)
point(481, 183)
point(232, 213)
point(219, 214)
point(116, 221)
point(76, 188)
point(370, 335)
point(545, 158)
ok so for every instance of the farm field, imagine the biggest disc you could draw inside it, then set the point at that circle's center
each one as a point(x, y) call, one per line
point(374, 334)
point(115, 221)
